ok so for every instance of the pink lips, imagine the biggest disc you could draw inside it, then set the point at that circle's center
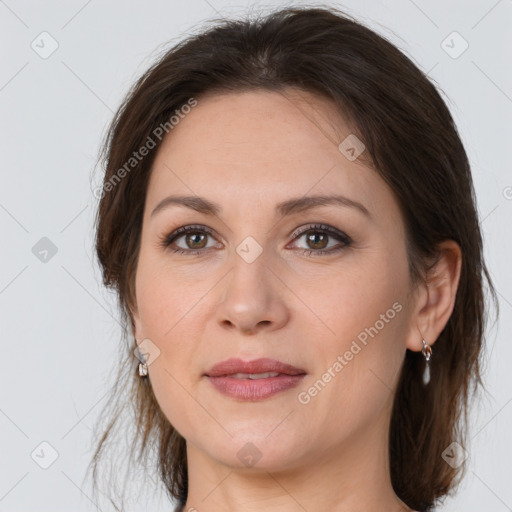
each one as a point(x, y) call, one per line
point(221, 376)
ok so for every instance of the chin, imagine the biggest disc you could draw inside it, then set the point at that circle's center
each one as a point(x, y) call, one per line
point(258, 451)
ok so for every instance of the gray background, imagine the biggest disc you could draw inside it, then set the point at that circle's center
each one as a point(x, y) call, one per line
point(60, 327)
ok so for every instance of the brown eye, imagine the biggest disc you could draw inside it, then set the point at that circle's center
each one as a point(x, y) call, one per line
point(195, 239)
point(317, 238)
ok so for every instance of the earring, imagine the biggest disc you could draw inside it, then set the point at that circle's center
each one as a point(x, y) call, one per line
point(143, 365)
point(427, 353)
point(143, 369)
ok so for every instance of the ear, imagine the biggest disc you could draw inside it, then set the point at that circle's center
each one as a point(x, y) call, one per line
point(138, 331)
point(435, 300)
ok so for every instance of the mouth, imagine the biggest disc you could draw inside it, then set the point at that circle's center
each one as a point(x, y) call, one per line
point(257, 368)
point(254, 380)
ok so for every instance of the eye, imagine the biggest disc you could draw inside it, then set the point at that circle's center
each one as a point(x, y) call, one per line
point(317, 237)
point(195, 239)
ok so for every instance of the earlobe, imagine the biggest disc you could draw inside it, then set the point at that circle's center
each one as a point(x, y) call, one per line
point(436, 304)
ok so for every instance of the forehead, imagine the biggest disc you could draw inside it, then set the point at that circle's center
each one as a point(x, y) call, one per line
point(262, 147)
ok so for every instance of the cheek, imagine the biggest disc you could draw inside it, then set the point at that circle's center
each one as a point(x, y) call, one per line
point(365, 310)
point(167, 320)
point(356, 299)
point(162, 299)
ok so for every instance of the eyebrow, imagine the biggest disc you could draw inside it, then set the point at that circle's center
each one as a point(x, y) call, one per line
point(288, 207)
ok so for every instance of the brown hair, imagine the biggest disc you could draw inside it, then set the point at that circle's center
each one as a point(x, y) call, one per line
point(411, 141)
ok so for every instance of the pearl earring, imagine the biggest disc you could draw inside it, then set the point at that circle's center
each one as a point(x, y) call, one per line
point(427, 353)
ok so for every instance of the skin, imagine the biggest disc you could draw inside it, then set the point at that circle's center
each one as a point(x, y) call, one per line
point(248, 151)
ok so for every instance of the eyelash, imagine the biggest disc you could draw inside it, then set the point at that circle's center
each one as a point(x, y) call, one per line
point(166, 241)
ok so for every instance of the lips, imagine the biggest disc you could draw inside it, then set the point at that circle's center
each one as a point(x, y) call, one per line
point(233, 366)
point(253, 380)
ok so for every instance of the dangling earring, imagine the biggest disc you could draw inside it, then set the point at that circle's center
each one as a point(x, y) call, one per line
point(143, 365)
point(143, 369)
point(427, 353)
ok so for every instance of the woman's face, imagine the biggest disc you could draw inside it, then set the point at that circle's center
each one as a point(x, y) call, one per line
point(250, 282)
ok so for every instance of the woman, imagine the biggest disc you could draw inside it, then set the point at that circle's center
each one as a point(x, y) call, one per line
point(288, 218)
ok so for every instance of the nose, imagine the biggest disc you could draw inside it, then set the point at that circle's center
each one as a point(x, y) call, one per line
point(253, 298)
